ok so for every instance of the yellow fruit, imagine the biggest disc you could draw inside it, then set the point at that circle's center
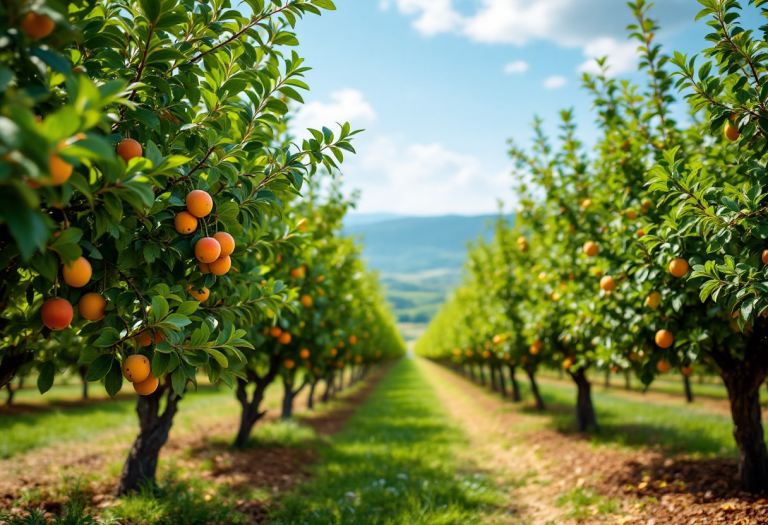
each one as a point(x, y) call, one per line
point(185, 222)
point(148, 386)
point(586, 203)
point(568, 363)
point(92, 306)
point(199, 203)
point(78, 273)
point(653, 300)
point(136, 368)
point(607, 283)
point(226, 241)
point(591, 248)
point(221, 265)
point(678, 267)
point(664, 338)
point(201, 295)
point(731, 132)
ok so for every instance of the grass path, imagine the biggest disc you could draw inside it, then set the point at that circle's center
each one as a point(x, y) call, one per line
point(398, 460)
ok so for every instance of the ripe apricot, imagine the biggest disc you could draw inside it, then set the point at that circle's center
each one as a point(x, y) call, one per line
point(37, 26)
point(136, 368)
point(145, 338)
point(321, 278)
point(226, 241)
point(765, 257)
point(285, 338)
point(289, 364)
point(148, 386)
point(304, 354)
point(297, 273)
point(207, 250)
point(568, 363)
point(306, 301)
point(77, 273)
point(57, 313)
point(486, 354)
point(496, 339)
point(275, 331)
point(607, 283)
point(646, 205)
point(221, 265)
point(653, 300)
point(185, 222)
point(334, 352)
point(640, 233)
point(631, 214)
point(92, 306)
point(731, 132)
point(201, 295)
point(128, 149)
point(204, 268)
point(664, 338)
point(678, 267)
point(537, 345)
point(663, 366)
point(687, 370)
point(199, 203)
point(59, 171)
point(591, 248)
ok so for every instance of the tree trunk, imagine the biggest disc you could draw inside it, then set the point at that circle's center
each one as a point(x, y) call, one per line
point(494, 386)
point(328, 386)
point(627, 382)
point(341, 381)
point(10, 363)
point(141, 465)
point(471, 371)
point(502, 382)
point(311, 398)
point(535, 389)
point(482, 375)
point(250, 413)
point(743, 379)
point(688, 391)
point(515, 386)
point(585, 410)
point(9, 401)
point(608, 378)
point(289, 394)
point(83, 370)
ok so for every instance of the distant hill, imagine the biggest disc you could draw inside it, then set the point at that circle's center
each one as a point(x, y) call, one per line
point(420, 258)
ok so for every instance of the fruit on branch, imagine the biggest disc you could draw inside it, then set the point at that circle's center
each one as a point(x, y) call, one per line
point(285, 338)
point(92, 306)
point(78, 273)
point(57, 314)
point(607, 283)
point(687, 370)
point(664, 338)
point(275, 331)
point(591, 248)
point(653, 300)
point(148, 386)
point(304, 354)
point(204, 268)
point(678, 267)
point(289, 364)
point(37, 26)
point(185, 222)
point(663, 366)
point(199, 203)
point(200, 294)
point(226, 241)
point(59, 171)
point(207, 250)
point(306, 301)
point(128, 149)
point(731, 132)
point(136, 368)
point(221, 265)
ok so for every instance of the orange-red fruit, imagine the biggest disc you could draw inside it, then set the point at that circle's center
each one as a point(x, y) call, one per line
point(663, 366)
point(136, 368)
point(591, 248)
point(226, 241)
point(678, 267)
point(57, 313)
point(59, 171)
point(37, 26)
point(78, 273)
point(185, 222)
point(289, 364)
point(607, 283)
point(275, 331)
point(306, 301)
point(297, 273)
point(128, 149)
point(199, 203)
point(304, 354)
point(207, 250)
point(204, 268)
point(285, 338)
point(765, 257)
point(221, 265)
point(687, 370)
point(148, 386)
point(352, 339)
point(92, 306)
point(146, 340)
point(201, 295)
point(664, 338)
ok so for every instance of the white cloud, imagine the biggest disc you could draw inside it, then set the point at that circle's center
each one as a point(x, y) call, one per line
point(554, 82)
point(434, 16)
point(516, 67)
point(622, 56)
point(423, 179)
point(347, 105)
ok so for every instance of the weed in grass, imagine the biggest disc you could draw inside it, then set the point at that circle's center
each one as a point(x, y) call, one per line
point(585, 502)
point(395, 462)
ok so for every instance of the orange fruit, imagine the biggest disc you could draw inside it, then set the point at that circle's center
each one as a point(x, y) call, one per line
point(607, 283)
point(297, 273)
point(289, 364)
point(640, 233)
point(221, 265)
point(664, 338)
point(321, 278)
point(586, 203)
point(57, 313)
point(486, 354)
point(185, 222)
point(37, 26)
point(207, 250)
point(136, 368)
point(204, 268)
point(663, 366)
point(285, 338)
point(687, 370)
point(523, 246)
point(646, 205)
point(304, 354)
point(306, 301)
point(145, 338)
point(678, 267)
point(275, 331)
point(568, 363)
point(731, 132)
point(201, 294)
point(334, 352)
point(352, 339)
point(653, 300)
point(226, 241)
point(92, 306)
point(496, 339)
point(148, 386)
point(765, 256)
point(199, 203)
point(631, 214)
point(128, 149)
point(78, 273)
point(59, 171)
point(591, 248)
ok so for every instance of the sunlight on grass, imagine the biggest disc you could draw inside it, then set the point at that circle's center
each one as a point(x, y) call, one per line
point(396, 462)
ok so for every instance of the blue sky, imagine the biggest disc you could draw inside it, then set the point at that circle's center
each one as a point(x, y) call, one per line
point(440, 85)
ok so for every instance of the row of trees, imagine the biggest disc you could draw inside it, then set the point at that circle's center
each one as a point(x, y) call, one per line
point(647, 254)
point(152, 227)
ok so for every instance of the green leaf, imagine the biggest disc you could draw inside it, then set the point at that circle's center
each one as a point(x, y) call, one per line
point(176, 321)
point(99, 368)
point(108, 337)
point(160, 363)
point(113, 381)
point(179, 381)
point(45, 379)
point(187, 308)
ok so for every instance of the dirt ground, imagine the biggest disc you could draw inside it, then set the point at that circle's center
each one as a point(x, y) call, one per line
point(539, 465)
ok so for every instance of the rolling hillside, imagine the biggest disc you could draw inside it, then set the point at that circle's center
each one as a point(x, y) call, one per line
point(420, 258)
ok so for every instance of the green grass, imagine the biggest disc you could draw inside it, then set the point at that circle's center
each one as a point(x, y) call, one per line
point(395, 462)
point(584, 503)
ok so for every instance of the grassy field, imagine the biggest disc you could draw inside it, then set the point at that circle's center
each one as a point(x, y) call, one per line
point(395, 463)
